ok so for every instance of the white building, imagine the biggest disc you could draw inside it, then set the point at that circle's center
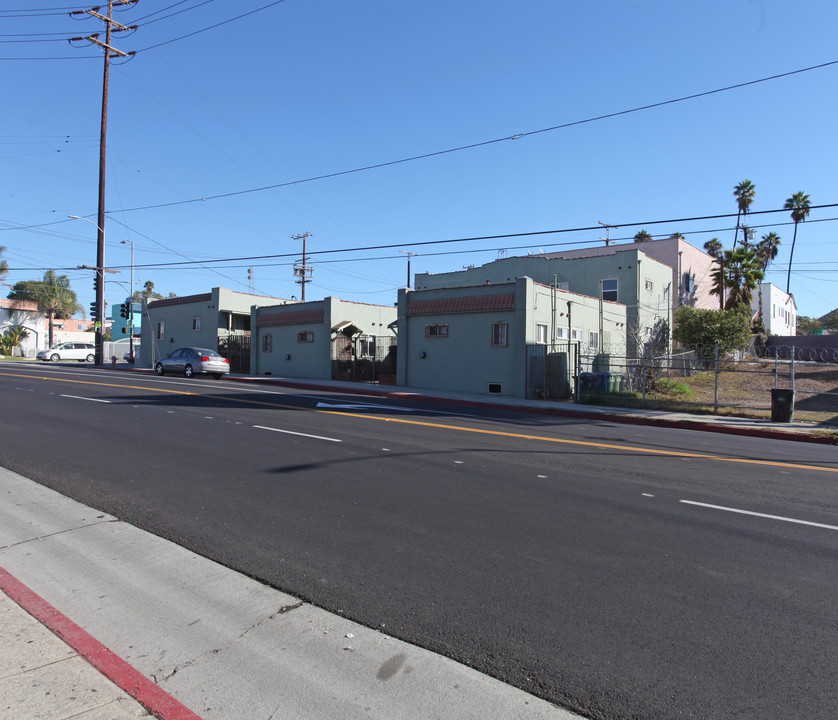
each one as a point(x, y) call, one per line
point(779, 311)
point(25, 314)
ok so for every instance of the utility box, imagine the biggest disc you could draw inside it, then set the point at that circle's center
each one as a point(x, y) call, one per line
point(782, 405)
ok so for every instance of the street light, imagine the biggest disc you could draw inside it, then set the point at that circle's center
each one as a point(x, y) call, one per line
point(100, 291)
point(131, 302)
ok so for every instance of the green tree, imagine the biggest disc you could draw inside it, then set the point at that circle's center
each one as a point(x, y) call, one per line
point(705, 329)
point(677, 236)
point(808, 326)
point(642, 236)
point(713, 247)
point(767, 249)
point(12, 338)
point(53, 296)
point(799, 206)
point(744, 192)
point(4, 266)
point(736, 277)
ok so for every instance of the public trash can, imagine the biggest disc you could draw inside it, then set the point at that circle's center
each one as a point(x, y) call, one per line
point(782, 405)
point(616, 382)
point(586, 381)
point(604, 380)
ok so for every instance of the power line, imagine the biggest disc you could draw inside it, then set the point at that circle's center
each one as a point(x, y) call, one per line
point(472, 146)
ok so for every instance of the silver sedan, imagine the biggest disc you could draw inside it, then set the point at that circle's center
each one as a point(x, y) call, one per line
point(191, 360)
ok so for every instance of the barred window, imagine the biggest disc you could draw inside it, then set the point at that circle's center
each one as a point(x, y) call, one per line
point(267, 343)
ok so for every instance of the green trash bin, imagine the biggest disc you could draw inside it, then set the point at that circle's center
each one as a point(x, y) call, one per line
point(616, 383)
point(782, 405)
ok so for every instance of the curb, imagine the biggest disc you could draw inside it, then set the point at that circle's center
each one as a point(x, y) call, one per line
point(151, 696)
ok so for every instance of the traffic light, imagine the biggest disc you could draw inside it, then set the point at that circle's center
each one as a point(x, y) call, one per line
point(96, 282)
point(94, 310)
point(124, 311)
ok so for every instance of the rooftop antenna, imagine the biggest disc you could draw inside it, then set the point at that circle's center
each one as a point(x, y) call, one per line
point(608, 229)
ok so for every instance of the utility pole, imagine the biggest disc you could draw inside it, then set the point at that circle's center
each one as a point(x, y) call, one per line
point(250, 280)
point(409, 255)
point(608, 229)
point(302, 271)
point(110, 52)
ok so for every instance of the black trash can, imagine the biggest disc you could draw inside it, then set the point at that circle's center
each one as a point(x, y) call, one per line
point(782, 405)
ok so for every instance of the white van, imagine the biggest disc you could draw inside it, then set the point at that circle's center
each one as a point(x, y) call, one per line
point(69, 351)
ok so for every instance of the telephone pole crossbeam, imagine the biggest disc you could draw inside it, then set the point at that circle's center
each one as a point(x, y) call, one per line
point(302, 271)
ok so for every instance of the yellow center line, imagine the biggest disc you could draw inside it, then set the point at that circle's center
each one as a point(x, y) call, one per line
point(441, 426)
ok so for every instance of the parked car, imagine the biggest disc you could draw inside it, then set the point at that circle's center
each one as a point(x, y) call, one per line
point(69, 351)
point(191, 360)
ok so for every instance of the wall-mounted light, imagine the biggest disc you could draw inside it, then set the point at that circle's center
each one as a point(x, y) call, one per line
point(287, 357)
point(422, 354)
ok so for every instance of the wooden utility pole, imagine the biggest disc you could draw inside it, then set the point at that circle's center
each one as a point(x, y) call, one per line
point(302, 271)
point(110, 52)
point(409, 255)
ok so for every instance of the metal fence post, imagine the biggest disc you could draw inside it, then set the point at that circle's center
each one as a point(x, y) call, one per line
point(645, 351)
point(716, 383)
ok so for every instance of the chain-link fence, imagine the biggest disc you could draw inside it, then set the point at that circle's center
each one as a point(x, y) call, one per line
point(777, 385)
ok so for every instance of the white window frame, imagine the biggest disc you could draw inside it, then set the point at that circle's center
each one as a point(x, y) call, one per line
point(540, 334)
point(576, 335)
point(593, 340)
point(196, 323)
point(562, 333)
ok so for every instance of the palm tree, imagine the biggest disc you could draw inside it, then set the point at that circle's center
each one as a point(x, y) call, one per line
point(767, 249)
point(677, 236)
point(713, 247)
point(799, 206)
point(642, 236)
point(744, 193)
point(738, 274)
point(53, 295)
point(4, 266)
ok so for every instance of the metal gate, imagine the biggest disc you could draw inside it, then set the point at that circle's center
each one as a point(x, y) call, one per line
point(236, 348)
point(364, 358)
point(551, 371)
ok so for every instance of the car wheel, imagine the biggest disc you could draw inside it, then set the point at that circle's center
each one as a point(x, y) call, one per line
point(54, 357)
point(188, 371)
point(158, 368)
point(91, 358)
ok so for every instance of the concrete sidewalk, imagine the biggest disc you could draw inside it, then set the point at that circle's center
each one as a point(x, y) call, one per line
point(192, 639)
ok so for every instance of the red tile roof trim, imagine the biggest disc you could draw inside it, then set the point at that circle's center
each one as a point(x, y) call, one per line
point(298, 317)
point(480, 303)
point(180, 300)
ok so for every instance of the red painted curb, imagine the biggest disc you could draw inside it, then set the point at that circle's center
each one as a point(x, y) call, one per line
point(153, 698)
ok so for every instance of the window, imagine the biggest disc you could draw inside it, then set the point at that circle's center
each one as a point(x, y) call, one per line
point(436, 331)
point(610, 289)
point(593, 341)
point(499, 331)
point(563, 286)
point(562, 333)
point(161, 330)
point(196, 322)
point(576, 335)
point(305, 337)
point(649, 285)
point(267, 342)
point(541, 334)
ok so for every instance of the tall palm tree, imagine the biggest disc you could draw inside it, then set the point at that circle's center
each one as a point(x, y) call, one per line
point(767, 249)
point(744, 193)
point(4, 266)
point(713, 247)
point(642, 236)
point(677, 236)
point(799, 206)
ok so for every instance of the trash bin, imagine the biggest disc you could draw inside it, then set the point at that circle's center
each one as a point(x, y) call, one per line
point(586, 381)
point(603, 381)
point(616, 382)
point(782, 405)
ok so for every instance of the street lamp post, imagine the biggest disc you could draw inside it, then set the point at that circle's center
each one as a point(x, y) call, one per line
point(131, 303)
point(100, 289)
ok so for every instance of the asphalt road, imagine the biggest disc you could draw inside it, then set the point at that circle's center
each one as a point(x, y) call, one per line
point(618, 571)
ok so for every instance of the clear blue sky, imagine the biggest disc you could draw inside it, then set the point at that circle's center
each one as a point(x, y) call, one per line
point(306, 88)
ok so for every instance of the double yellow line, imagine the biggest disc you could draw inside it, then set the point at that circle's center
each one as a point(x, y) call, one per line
point(457, 428)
